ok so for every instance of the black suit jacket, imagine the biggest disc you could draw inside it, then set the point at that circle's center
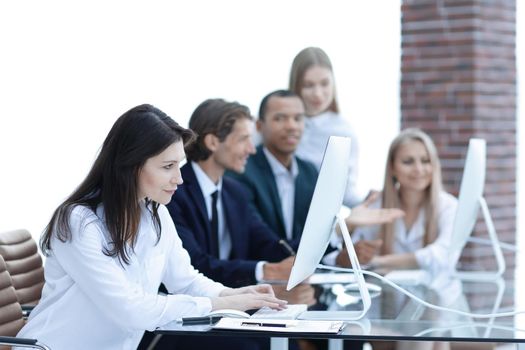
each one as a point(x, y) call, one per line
point(252, 240)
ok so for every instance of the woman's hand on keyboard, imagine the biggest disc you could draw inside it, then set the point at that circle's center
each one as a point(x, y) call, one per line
point(245, 302)
point(247, 298)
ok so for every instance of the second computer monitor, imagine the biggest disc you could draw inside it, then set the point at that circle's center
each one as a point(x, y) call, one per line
point(469, 204)
point(471, 190)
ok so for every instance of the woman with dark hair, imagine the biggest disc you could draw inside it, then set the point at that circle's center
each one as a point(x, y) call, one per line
point(112, 242)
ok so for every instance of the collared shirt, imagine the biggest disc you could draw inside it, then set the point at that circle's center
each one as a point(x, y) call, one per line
point(93, 301)
point(410, 240)
point(208, 188)
point(285, 181)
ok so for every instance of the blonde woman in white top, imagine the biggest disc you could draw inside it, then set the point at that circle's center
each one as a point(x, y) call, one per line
point(421, 238)
point(312, 78)
point(112, 243)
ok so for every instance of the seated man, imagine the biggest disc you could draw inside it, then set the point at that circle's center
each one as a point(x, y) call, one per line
point(281, 185)
point(226, 238)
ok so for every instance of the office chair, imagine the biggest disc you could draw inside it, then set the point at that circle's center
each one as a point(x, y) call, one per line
point(11, 316)
point(24, 264)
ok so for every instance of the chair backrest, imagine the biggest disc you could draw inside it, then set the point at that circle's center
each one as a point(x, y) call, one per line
point(24, 264)
point(11, 318)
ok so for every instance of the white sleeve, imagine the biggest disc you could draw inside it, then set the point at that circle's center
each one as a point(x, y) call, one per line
point(103, 280)
point(330, 258)
point(435, 257)
point(180, 276)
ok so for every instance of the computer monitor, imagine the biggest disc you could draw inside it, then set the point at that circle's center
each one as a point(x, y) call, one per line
point(470, 201)
point(322, 216)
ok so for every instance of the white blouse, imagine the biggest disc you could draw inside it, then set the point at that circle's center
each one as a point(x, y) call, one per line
point(91, 301)
point(317, 131)
point(435, 256)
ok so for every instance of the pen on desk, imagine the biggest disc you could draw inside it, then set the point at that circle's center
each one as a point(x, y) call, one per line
point(287, 247)
point(191, 321)
point(264, 324)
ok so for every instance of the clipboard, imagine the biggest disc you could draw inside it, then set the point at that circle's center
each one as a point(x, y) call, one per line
point(280, 326)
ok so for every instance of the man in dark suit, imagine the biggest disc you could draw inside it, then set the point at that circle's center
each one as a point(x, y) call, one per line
point(224, 236)
point(280, 184)
point(226, 239)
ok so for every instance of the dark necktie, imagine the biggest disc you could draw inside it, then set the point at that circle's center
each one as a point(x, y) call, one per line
point(214, 225)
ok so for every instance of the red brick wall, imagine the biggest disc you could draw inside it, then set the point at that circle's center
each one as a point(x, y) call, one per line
point(458, 80)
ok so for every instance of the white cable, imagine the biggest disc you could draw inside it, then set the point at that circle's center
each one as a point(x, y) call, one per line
point(485, 241)
point(421, 301)
point(467, 325)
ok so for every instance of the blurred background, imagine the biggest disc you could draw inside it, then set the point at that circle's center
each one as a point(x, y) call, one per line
point(69, 70)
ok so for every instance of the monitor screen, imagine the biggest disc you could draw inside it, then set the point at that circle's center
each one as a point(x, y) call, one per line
point(326, 203)
point(471, 190)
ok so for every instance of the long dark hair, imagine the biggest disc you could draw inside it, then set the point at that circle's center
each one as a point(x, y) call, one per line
point(139, 134)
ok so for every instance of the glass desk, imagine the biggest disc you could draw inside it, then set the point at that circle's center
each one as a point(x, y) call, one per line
point(393, 316)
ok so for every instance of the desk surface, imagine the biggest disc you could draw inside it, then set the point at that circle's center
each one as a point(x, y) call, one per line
point(393, 316)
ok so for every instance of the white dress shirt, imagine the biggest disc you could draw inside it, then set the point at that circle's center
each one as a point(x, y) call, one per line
point(317, 131)
point(285, 181)
point(225, 242)
point(434, 256)
point(208, 188)
point(92, 301)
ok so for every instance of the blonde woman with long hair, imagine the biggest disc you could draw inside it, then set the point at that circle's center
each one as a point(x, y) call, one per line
point(413, 184)
point(312, 78)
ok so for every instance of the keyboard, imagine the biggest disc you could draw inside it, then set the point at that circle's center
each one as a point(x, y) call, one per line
point(290, 313)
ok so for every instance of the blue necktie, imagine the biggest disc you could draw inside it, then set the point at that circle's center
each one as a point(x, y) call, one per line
point(214, 225)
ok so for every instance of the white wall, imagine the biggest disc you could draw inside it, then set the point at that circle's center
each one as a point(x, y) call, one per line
point(69, 69)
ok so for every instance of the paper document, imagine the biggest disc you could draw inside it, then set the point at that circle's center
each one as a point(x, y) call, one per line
point(276, 325)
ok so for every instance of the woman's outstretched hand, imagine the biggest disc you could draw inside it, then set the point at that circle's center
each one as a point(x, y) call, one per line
point(362, 215)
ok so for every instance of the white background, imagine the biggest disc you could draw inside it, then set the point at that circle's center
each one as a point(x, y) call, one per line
point(69, 69)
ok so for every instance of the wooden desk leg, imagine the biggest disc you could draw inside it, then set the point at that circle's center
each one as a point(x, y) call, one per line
point(335, 344)
point(279, 343)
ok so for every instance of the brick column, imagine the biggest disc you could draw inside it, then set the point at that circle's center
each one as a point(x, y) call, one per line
point(458, 81)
